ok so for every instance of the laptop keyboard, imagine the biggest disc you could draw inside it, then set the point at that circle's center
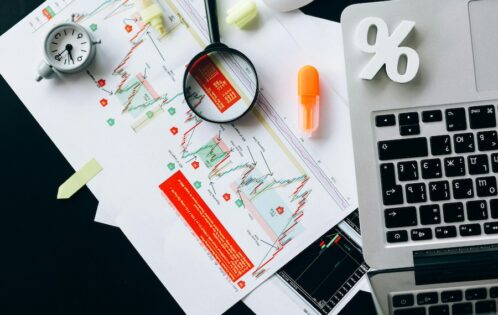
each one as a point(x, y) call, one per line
point(479, 300)
point(437, 171)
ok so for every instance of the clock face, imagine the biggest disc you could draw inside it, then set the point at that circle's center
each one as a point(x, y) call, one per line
point(68, 47)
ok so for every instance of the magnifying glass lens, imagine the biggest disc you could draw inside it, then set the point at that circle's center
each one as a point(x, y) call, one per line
point(220, 85)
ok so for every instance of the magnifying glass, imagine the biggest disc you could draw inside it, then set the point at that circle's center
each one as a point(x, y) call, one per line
point(220, 83)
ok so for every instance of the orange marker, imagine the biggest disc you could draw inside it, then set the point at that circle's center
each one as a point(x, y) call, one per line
point(309, 94)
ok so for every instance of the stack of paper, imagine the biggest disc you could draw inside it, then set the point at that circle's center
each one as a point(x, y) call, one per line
point(213, 209)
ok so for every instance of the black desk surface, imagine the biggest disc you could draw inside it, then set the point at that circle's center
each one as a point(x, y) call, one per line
point(55, 259)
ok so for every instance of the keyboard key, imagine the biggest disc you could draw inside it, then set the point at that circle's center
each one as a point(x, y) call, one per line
point(446, 231)
point(421, 234)
point(397, 236)
point(454, 166)
point(402, 149)
point(415, 193)
point(410, 311)
point(440, 145)
point(407, 171)
point(455, 119)
point(430, 214)
point(432, 116)
point(487, 140)
point(463, 188)
point(408, 119)
point(477, 210)
point(439, 191)
point(385, 120)
point(485, 307)
point(476, 294)
point(451, 296)
point(462, 309)
point(403, 300)
point(494, 162)
point(493, 205)
point(453, 212)
point(493, 292)
point(464, 143)
point(431, 168)
point(439, 310)
point(427, 298)
point(478, 164)
point(486, 186)
point(491, 227)
point(409, 130)
point(482, 117)
point(387, 174)
point(470, 229)
point(392, 194)
point(400, 217)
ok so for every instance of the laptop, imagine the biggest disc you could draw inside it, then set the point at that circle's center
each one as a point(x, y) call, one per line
point(426, 151)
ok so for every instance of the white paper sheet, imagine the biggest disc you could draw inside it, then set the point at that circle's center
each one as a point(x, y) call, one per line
point(274, 296)
point(298, 199)
point(321, 40)
point(328, 56)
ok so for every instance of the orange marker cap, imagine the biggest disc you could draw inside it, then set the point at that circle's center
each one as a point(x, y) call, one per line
point(309, 92)
point(308, 84)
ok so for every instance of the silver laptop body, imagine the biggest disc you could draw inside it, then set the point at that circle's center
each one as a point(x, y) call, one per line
point(426, 151)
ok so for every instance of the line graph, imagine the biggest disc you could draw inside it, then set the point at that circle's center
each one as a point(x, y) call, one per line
point(137, 95)
point(266, 111)
point(114, 6)
point(159, 108)
point(258, 187)
point(233, 160)
point(120, 69)
point(51, 10)
point(246, 175)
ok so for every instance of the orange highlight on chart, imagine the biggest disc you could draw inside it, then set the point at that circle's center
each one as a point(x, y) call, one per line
point(203, 222)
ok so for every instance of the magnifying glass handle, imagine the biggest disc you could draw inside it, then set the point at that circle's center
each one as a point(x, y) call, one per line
point(212, 19)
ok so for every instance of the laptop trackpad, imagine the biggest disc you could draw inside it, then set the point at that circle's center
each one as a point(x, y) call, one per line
point(484, 32)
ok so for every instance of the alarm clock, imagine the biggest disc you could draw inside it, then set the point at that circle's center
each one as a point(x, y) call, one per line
point(68, 48)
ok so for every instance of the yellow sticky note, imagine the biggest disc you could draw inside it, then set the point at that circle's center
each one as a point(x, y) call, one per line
point(79, 179)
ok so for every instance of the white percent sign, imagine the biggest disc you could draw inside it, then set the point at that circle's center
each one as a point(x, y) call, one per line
point(387, 50)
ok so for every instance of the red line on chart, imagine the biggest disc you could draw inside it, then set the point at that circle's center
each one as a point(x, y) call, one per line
point(120, 68)
point(141, 31)
point(262, 184)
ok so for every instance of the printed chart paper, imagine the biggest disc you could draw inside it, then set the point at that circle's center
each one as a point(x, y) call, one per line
point(321, 280)
point(213, 209)
point(301, 294)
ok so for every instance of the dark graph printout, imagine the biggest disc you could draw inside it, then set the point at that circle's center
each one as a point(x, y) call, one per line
point(325, 272)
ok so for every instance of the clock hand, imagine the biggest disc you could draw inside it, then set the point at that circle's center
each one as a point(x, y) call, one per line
point(69, 48)
point(58, 56)
point(70, 56)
